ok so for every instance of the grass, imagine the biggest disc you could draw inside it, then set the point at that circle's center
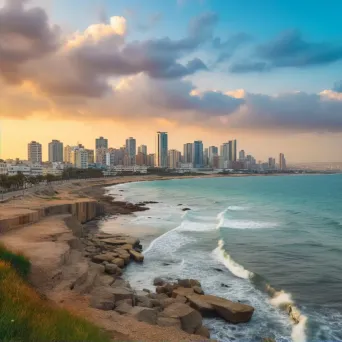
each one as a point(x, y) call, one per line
point(25, 316)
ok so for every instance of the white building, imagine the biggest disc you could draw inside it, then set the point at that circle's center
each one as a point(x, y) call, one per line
point(34, 152)
point(55, 151)
point(13, 170)
point(52, 171)
point(36, 170)
point(81, 158)
point(130, 168)
point(3, 168)
point(161, 149)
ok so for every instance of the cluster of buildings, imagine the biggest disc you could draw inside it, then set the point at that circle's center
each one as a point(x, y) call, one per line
point(131, 157)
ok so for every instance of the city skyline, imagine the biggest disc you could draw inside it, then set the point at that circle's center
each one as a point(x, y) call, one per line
point(211, 71)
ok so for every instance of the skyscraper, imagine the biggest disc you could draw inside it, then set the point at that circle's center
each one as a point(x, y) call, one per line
point(225, 151)
point(232, 150)
point(161, 149)
point(197, 154)
point(101, 143)
point(142, 149)
point(55, 151)
point(131, 150)
point(187, 153)
point(271, 163)
point(206, 157)
point(212, 152)
point(174, 159)
point(282, 161)
point(67, 154)
point(34, 152)
point(242, 155)
point(101, 155)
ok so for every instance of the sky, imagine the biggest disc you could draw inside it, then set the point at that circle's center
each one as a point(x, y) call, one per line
point(267, 73)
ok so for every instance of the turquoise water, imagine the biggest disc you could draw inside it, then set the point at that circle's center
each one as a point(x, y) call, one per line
point(265, 241)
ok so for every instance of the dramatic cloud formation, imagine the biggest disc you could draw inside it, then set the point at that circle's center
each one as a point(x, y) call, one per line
point(100, 73)
point(289, 49)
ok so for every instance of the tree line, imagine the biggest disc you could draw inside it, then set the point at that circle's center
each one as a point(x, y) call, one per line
point(20, 181)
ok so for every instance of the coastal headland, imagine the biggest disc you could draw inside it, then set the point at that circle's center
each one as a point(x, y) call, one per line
point(82, 269)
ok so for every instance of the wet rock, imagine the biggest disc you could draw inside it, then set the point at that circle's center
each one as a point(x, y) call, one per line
point(218, 269)
point(158, 281)
point(188, 283)
point(147, 290)
point(198, 303)
point(224, 285)
point(186, 209)
point(138, 257)
point(203, 331)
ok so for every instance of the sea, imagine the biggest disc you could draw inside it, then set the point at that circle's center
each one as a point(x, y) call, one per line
point(273, 242)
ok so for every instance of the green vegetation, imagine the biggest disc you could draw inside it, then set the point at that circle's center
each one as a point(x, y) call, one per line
point(25, 316)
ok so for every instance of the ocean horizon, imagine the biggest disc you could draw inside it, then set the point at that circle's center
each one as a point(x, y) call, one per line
point(270, 242)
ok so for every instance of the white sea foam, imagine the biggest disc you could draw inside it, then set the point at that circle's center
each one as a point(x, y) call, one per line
point(236, 208)
point(235, 268)
point(283, 300)
point(246, 224)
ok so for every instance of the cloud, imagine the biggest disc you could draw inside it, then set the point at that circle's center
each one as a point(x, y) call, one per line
point(25, 34)
point(290, 49)
point(228, 47)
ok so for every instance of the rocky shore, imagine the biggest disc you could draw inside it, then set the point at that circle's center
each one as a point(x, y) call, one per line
point(181, 304)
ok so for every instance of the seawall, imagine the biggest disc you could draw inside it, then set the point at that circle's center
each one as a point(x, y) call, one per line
point(83, 211)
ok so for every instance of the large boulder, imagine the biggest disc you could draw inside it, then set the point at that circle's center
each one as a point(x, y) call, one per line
point(191, 320)
point(104, 257)
point(142, 314)
point(127, 246)
point(182, 291)
point(138, 257)
point(113, 269)
point(158, 281)
point(198, 290)
point(123, 308)
point(169, 322)
point(188, 283)
point(121, 293)
point(198, 303)
point(143, 301)
point(123, 254)
point(102, 298)
point(230, 311)
point(119, 282)
point(203, 331)
point(118, 262)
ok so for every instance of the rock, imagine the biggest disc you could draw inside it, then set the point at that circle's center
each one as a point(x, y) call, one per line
point(167, 301)
point(160, 289)
point(158, 281)
point(191, 320)
point(169, 322)
point(121, 240)
point(181, 299)
point(121, 293)
point(113, 269)
point(127, 301)
point(224, 285)
point(119, 262)
point(119, 282)
point(268, 339)
point(188, 283)
point(161, 296)
point(147, 290)
point(182, 291)
point(123, 254)
point(203, 331)
point(142, 314)
point(218, 269)
point(102, 298)
point(139, 293)
point(91, 249)
point(127, 246)
point(103, 257)
point(105, 280)
point(124, 308)
point(198, 303)
point(186, 209)
point(198, 290)
point(155, 303)
point(144, 301)
point(230, 311)
point(138, 257)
